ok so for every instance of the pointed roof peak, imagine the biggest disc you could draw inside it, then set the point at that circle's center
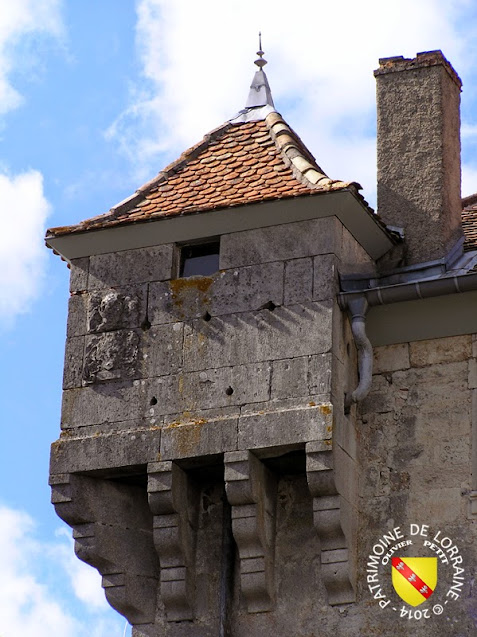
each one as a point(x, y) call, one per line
point(260, 62)
point(260, 93)
point(260, 101)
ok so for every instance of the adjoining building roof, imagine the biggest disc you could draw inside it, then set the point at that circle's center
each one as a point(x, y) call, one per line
point(469, 222)
point(255, 157)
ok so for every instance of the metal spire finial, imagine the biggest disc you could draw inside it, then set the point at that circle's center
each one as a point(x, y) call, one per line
point(260, 62)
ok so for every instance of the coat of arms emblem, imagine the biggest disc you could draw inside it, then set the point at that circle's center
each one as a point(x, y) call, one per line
point(414, 578)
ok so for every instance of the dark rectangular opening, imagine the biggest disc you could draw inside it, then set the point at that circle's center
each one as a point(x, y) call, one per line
point(199, 259)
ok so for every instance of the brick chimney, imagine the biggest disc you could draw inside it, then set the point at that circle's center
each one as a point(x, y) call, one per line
point(419, 174)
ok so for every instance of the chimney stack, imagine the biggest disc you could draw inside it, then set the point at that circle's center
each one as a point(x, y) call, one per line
point(419, 175)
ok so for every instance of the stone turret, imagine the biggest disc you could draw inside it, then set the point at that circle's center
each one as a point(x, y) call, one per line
point(205, 460)
point(227, 459)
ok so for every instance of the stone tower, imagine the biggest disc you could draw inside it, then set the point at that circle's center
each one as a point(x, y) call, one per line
point(211, 460)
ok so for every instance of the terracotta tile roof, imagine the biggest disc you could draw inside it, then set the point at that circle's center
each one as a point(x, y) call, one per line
point(236, 164)
point(469, 222)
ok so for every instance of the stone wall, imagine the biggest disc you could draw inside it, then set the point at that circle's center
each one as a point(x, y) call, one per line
point(415, 441)
point(210, 410)
point(221, 397)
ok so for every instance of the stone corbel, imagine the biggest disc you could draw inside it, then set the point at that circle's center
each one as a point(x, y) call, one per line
point(251, 491)
point(174, 503)
point(112, 529)
point(327, 520)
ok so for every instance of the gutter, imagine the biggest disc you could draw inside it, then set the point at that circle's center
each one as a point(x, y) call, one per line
point(358, 302)
point(412, 291)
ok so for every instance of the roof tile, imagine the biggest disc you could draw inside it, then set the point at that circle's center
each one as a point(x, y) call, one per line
point(236, 164)
point(469, 226)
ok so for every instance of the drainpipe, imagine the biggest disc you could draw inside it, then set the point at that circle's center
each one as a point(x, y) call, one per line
point(358, 302)
point(358, 307)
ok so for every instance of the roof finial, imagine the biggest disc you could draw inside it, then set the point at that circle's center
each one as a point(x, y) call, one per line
point(260, 62)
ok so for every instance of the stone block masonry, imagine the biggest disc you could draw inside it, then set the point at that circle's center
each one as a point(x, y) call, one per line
point(255, 360)
point(194, 381)
point(206, 462)
point(417, 448)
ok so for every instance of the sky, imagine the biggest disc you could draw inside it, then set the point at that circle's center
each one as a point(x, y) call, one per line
point(95, 98)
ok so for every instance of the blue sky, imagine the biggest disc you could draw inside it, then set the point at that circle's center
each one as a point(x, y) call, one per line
point(95, 98)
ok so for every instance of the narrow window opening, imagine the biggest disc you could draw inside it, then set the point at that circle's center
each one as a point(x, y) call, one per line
point(201, 259)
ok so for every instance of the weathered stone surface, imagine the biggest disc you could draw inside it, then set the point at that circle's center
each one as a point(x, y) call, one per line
point(441, 350)
point(174, 500)
point(472, 378)
point(354, 258)
point(73, 370)
point(118, 450)
point(379, 399)
point(247, 288)
point(76, 325)
point(453, 452)
point(202, 415)
point(120, 269)
point(137, 425)
point(198, 438)
point(226, 292)
point(252, 493)
point(327, 517)
point(319, 373)
point(113, 309)
point(111, 356)
point(297, 330)
point(303, 376)
point(79, 275)
point(288, 425)
point(209, 389)
point(298, 281)
point(442, 505)
point(162, 349)
point(290, 378)
point(104, 402)
point(418, 155)
point(280, 243)
point(325, 277)
point(160, 303)
point(391, 358)
point(108, 518)
point(474, 345)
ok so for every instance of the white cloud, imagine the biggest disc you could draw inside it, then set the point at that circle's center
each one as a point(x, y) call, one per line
point(197, 66)
point(85, 580)
point(24, 24)
point(30, 605)
point(23, 214)
point(20, 20)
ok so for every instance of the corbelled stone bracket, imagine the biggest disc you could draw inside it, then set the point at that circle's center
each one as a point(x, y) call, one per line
point(174, 500)
point(108, 518)
point(327, 520)
point(252, 491)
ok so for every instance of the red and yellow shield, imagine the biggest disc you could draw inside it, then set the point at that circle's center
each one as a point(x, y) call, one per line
point(414, 578)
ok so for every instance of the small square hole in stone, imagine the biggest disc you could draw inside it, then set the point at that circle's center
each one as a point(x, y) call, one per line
point(199, 259)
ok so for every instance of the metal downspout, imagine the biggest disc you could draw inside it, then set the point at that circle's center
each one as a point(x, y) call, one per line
point(358, 302)
point(358, 308)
